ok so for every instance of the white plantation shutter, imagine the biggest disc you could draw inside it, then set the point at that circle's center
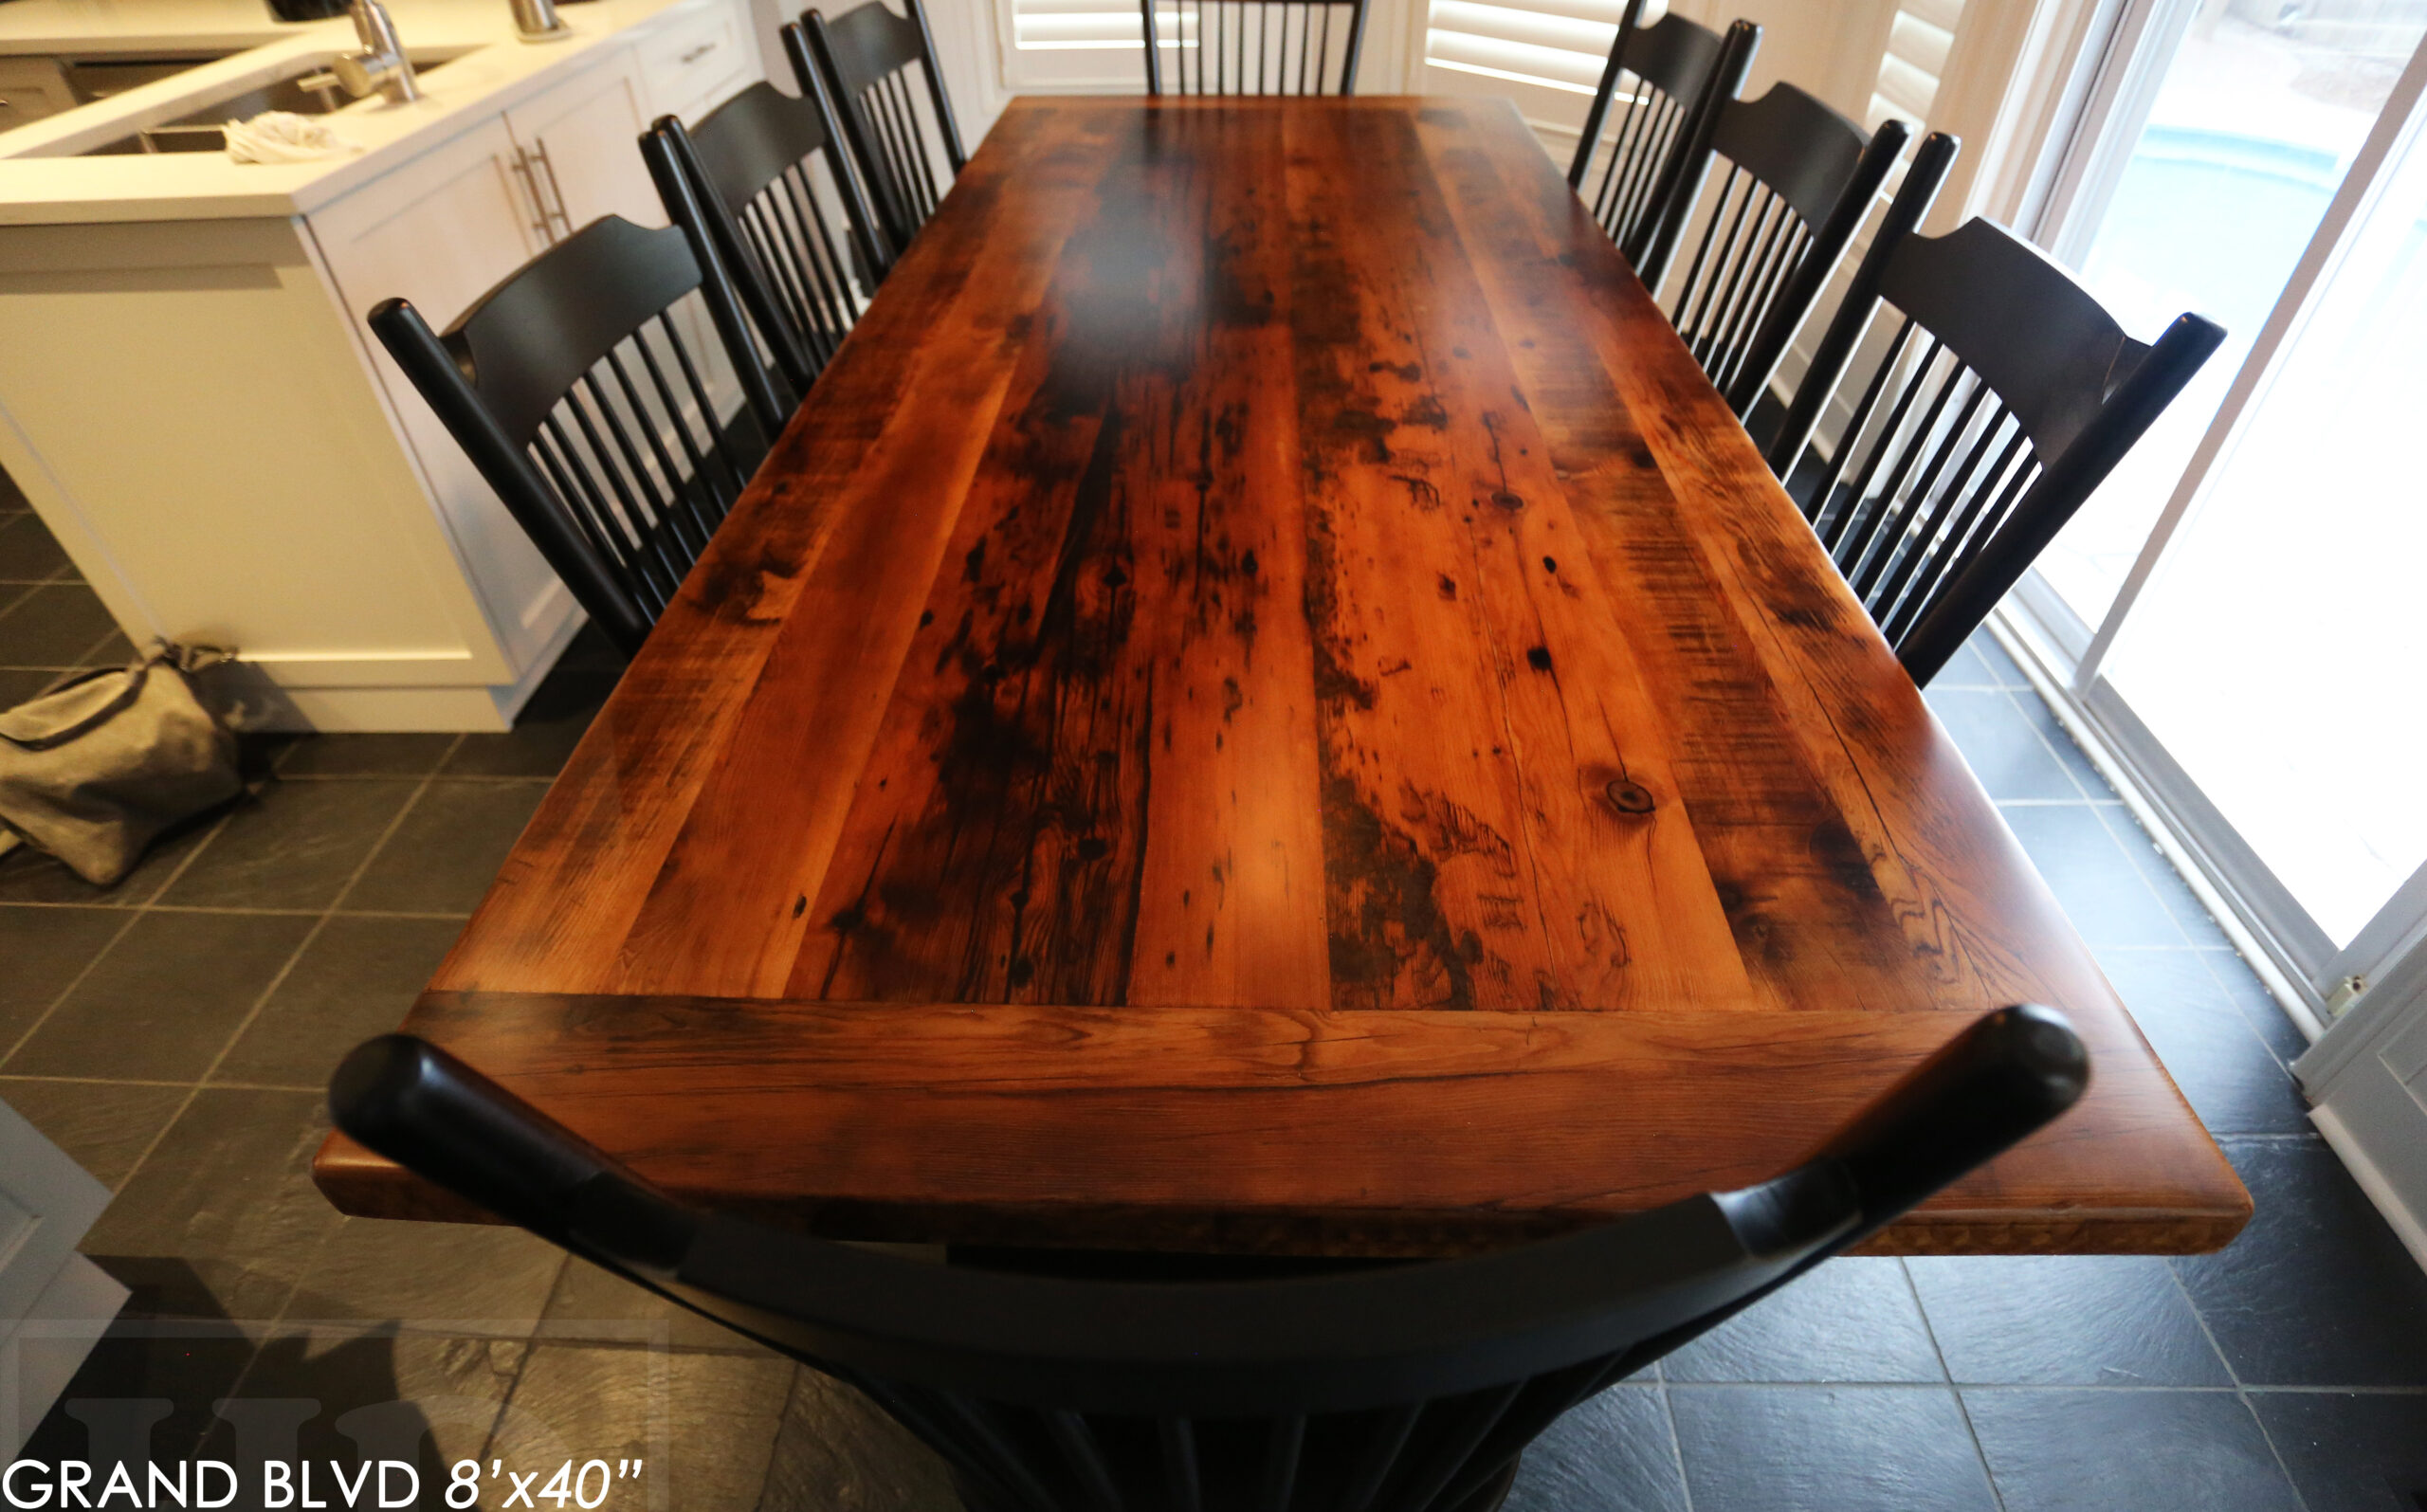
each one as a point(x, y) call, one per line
point(1557, 43)
point(1087, 45)
point(1547, 55)
point(1063, 25)
point(1919, 34)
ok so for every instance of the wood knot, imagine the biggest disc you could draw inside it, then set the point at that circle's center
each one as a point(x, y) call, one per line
point(1629, 797)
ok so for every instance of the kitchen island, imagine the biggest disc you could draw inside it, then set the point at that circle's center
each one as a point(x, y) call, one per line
point(188, 394)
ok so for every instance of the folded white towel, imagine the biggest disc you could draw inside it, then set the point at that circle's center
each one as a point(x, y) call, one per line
point(284, 137)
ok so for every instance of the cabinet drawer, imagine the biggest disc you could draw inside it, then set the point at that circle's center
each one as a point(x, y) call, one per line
point(695, 61)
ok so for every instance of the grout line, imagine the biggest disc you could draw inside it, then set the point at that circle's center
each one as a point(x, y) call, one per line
point(2021, 649)
point(1962, 1408)
point(2241, 1394)
point(134, 1080)
point(1676, 1444)
point(134, 915)
point(240, 912)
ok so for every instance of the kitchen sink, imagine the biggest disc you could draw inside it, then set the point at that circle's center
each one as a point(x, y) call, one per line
point(310, 90)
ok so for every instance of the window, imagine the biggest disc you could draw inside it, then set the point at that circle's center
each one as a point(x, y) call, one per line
point(1545, 54)
point(1074, 45)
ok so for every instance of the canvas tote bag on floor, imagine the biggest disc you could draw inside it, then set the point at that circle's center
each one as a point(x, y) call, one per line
point(91, 771)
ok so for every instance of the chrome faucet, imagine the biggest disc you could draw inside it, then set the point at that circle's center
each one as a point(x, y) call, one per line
point(381, 64)
point(538, 20)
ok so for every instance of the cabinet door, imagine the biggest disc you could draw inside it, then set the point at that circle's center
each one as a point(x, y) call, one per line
point(583, 138)
point(441, 231)
point(31, 89)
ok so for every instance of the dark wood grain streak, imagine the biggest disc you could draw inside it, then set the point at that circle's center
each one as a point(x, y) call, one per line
point(1264, 703)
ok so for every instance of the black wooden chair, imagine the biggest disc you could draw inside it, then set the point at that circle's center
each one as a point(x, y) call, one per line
point(752, 165)
point(1970, 447)
point(867, 55)
point(582, 399)
point(1397, 1388)
point(1663, 79)
point(1801, 180)
point(1256, 47)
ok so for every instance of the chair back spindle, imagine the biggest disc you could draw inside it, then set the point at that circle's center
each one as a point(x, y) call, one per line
point(2002, 396)
point(1397, 1388)
point(867, 55)
point(1252, 46)
point(773, 180)
point(1799, 181)
point(1659, 84)
point(584, 395)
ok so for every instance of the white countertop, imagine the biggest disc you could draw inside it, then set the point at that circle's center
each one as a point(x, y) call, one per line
point(43, 182)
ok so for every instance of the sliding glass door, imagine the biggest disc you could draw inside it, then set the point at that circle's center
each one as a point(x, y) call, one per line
point(2240, 604)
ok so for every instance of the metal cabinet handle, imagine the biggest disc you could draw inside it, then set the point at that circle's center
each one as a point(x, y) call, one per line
point(539, 156)
point(695, 54)
point(521, 165)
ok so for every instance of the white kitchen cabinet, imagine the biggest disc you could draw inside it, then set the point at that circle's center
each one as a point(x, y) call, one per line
point(192, 400)
point(378, 244)
point(582, 140)
point(506, 190)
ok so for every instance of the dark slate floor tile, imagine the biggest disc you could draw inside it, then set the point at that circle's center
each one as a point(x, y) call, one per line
point(452, 1278)
point(1615, 1453)
point(1964, 669)
point(447, 851)
point(103, 1126)
point(2060, 742)
point(545, 733)
point(1851, 1320)
point(356, 978)
point(23, 684)
point(2180, 900)
point(836, 1450)
point(2258, 1006)
point(2101, 891)
point(425, 1400)
point(401, 754)
point(2064, 1320)
point(2317, 1291)
point(27, 876)
point(165, 1001)
point(53, 625)
point(45, 949)
point(2151, 1451)
point(222, 1219)
point(114, 651)
point(2000, 745)
point(28, 552)
point(2235, 1083)
point(294, 846)
point(721, 1412)
point(144, 1394)
point(1839, 1449)
point(2349, 1453)
point(2002, 668)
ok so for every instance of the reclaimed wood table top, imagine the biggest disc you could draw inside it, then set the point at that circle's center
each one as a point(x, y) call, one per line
point(1264, 703)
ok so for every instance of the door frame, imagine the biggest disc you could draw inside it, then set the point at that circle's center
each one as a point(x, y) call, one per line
point(2075, 654)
